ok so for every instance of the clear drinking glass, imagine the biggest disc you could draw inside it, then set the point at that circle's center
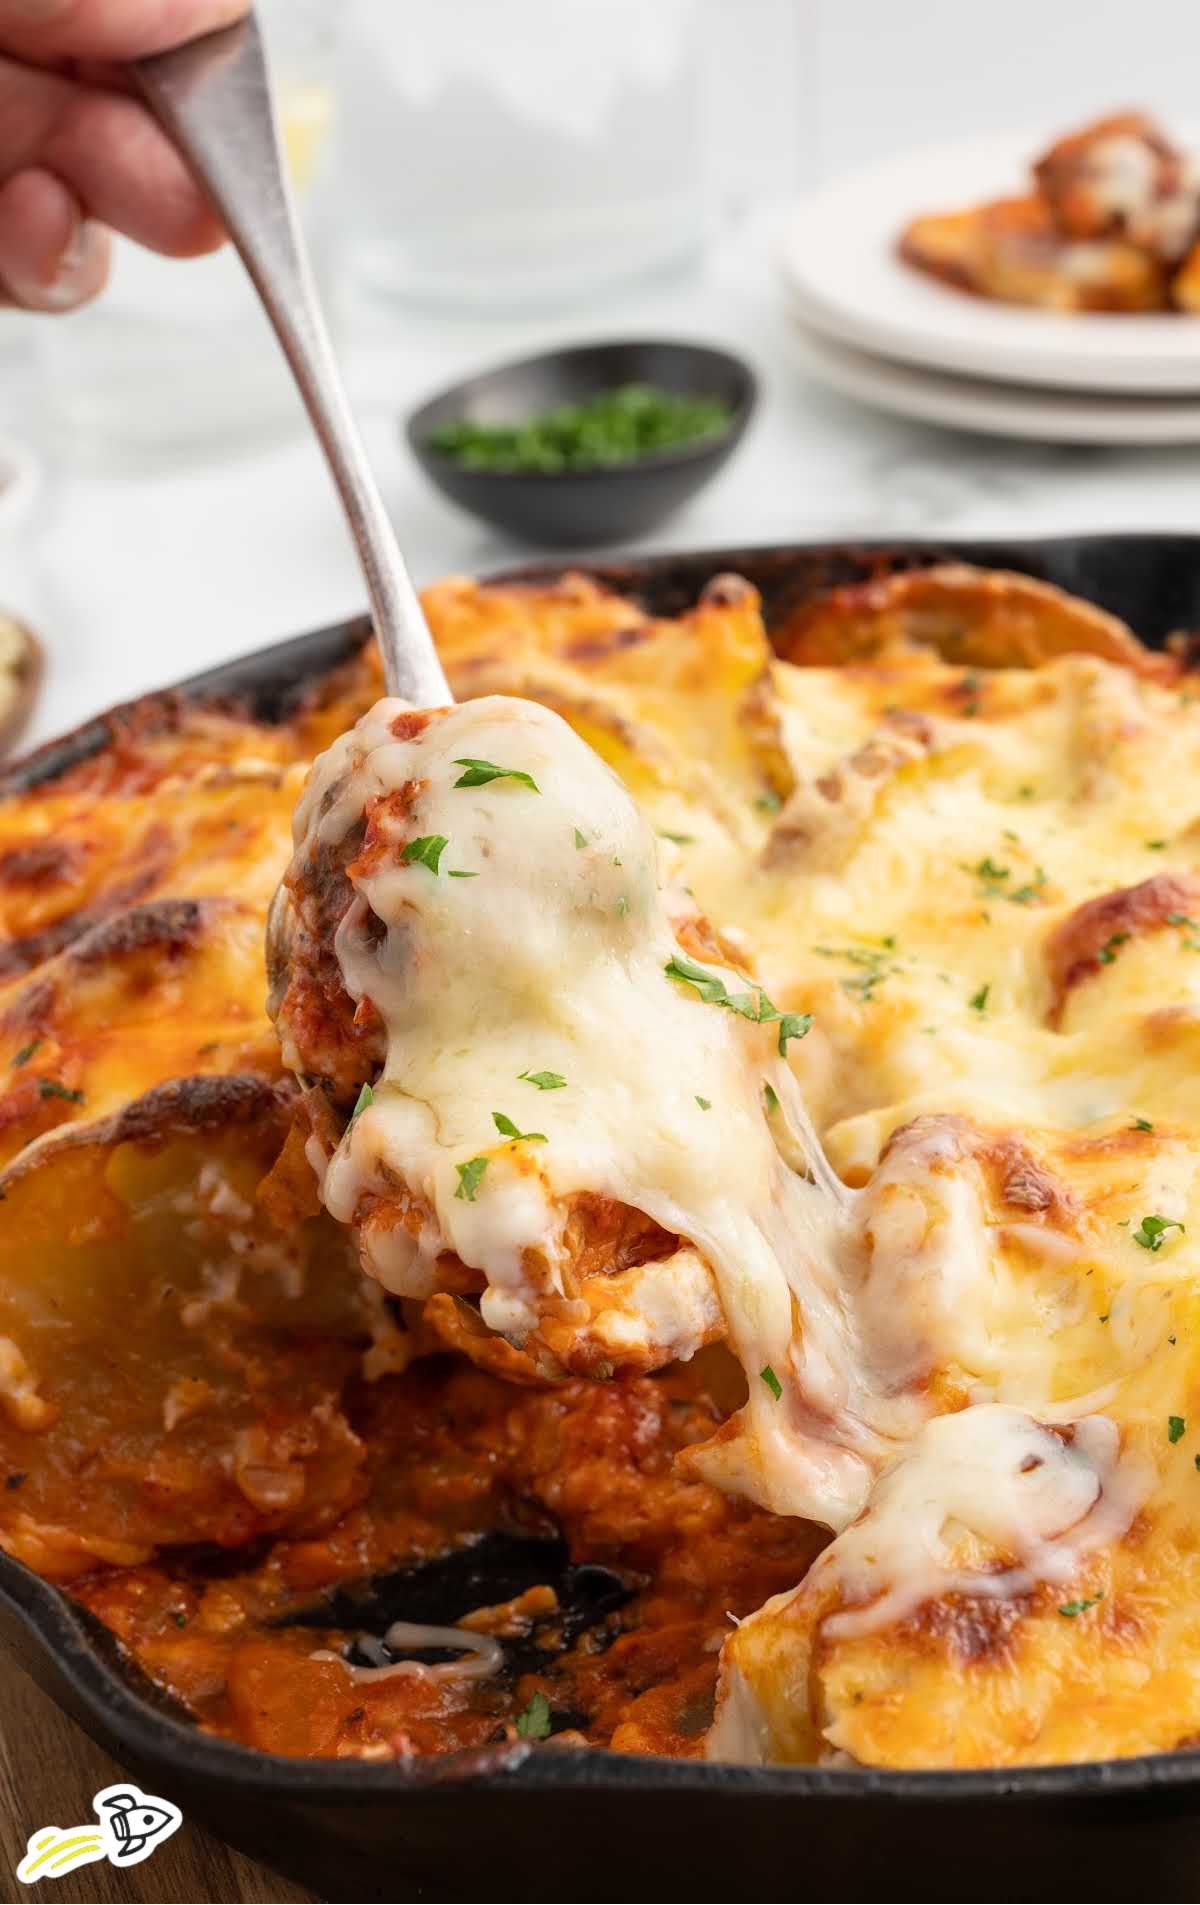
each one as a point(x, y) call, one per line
point(177, 355)
point(518, 156)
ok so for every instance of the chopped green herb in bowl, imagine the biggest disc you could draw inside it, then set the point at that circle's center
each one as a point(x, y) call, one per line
point(588, 444)
point(616, 426)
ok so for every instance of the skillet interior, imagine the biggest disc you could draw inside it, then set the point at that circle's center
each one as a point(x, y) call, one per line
point(476, 1824)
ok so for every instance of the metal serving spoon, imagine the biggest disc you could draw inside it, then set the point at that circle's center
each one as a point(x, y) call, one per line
point(214, 98)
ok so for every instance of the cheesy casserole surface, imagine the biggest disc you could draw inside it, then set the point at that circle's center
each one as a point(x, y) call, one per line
point(853, 1327)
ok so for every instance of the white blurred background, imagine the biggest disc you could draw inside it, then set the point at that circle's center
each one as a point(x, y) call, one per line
point(484, 177)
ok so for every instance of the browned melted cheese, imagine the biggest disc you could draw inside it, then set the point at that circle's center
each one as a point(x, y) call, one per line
point(968, 851)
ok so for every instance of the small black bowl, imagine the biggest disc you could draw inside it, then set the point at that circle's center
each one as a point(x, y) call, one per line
point(575, 508)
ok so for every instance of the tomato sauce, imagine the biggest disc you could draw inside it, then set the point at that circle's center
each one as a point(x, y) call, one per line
point(453, 1454)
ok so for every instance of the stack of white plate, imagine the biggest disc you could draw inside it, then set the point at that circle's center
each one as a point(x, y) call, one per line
point(875, 329)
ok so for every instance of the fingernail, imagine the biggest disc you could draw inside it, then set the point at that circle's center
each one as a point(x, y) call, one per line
point(80, 270)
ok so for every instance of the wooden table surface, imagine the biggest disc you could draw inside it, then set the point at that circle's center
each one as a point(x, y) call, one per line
point(49, 1771)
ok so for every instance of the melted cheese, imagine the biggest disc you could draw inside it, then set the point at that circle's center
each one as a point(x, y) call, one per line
point(479, 1655)
point(554, 958)
point(907, 847)
point(554, 953)
point(877, 1310)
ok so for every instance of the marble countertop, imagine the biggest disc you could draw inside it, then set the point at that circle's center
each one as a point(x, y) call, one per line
point(136, 577)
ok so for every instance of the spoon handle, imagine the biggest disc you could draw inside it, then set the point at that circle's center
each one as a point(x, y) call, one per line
point(213, 96)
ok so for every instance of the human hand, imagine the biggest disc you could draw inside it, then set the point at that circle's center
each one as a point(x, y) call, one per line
point(78, 154)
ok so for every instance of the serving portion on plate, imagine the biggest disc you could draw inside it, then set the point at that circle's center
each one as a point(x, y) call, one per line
point(1069, 290)
point(726, 1145)
point(1112, 223)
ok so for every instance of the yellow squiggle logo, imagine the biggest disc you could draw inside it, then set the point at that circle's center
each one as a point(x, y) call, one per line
point(132, 1825)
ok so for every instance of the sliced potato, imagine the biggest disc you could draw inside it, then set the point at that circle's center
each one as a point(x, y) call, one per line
point(981, 618)
point(170, 1371)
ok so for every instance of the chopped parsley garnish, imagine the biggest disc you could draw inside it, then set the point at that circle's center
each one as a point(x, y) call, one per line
point(1024, 895)
point(710, 986)
point(426, 851)
point(793, 1025)
point(1151, 1231)
point(1156, 846)
point(680, 839)
point(770, 1099)
point(580, 838)
point(1105, 1317)
point(470, 1176)
point(622, 906)
point(869, 957)
point(1071, 1608)
point(179, 1618)
point(50, 1088)
point(365, 1097)
point(978, 1003)
point(865, 986)
point(995, 878)
point(705, 1104)
point(857, 955)
point(767, 1375)
point(769, 803)
point(26, 1053)
point(534, 1722)
point(545, 1081)
point(479, 773)
point(614, 426)
point(1108, 951)
point(1191, 939)
point(748, 1005)
point(1175, 1428)
point(508, 1129)
point(1142, 1124)
point(457, 873)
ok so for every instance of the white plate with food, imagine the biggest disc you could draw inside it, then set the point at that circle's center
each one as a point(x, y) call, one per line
point(1031, 413)
point(974, 212)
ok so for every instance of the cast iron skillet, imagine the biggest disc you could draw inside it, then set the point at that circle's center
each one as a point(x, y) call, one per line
point(520, 1822)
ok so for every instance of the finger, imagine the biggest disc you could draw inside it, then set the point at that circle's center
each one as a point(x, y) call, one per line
point(52, 30)
point(129, 175)
point(52, 257)
point(121, 166)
